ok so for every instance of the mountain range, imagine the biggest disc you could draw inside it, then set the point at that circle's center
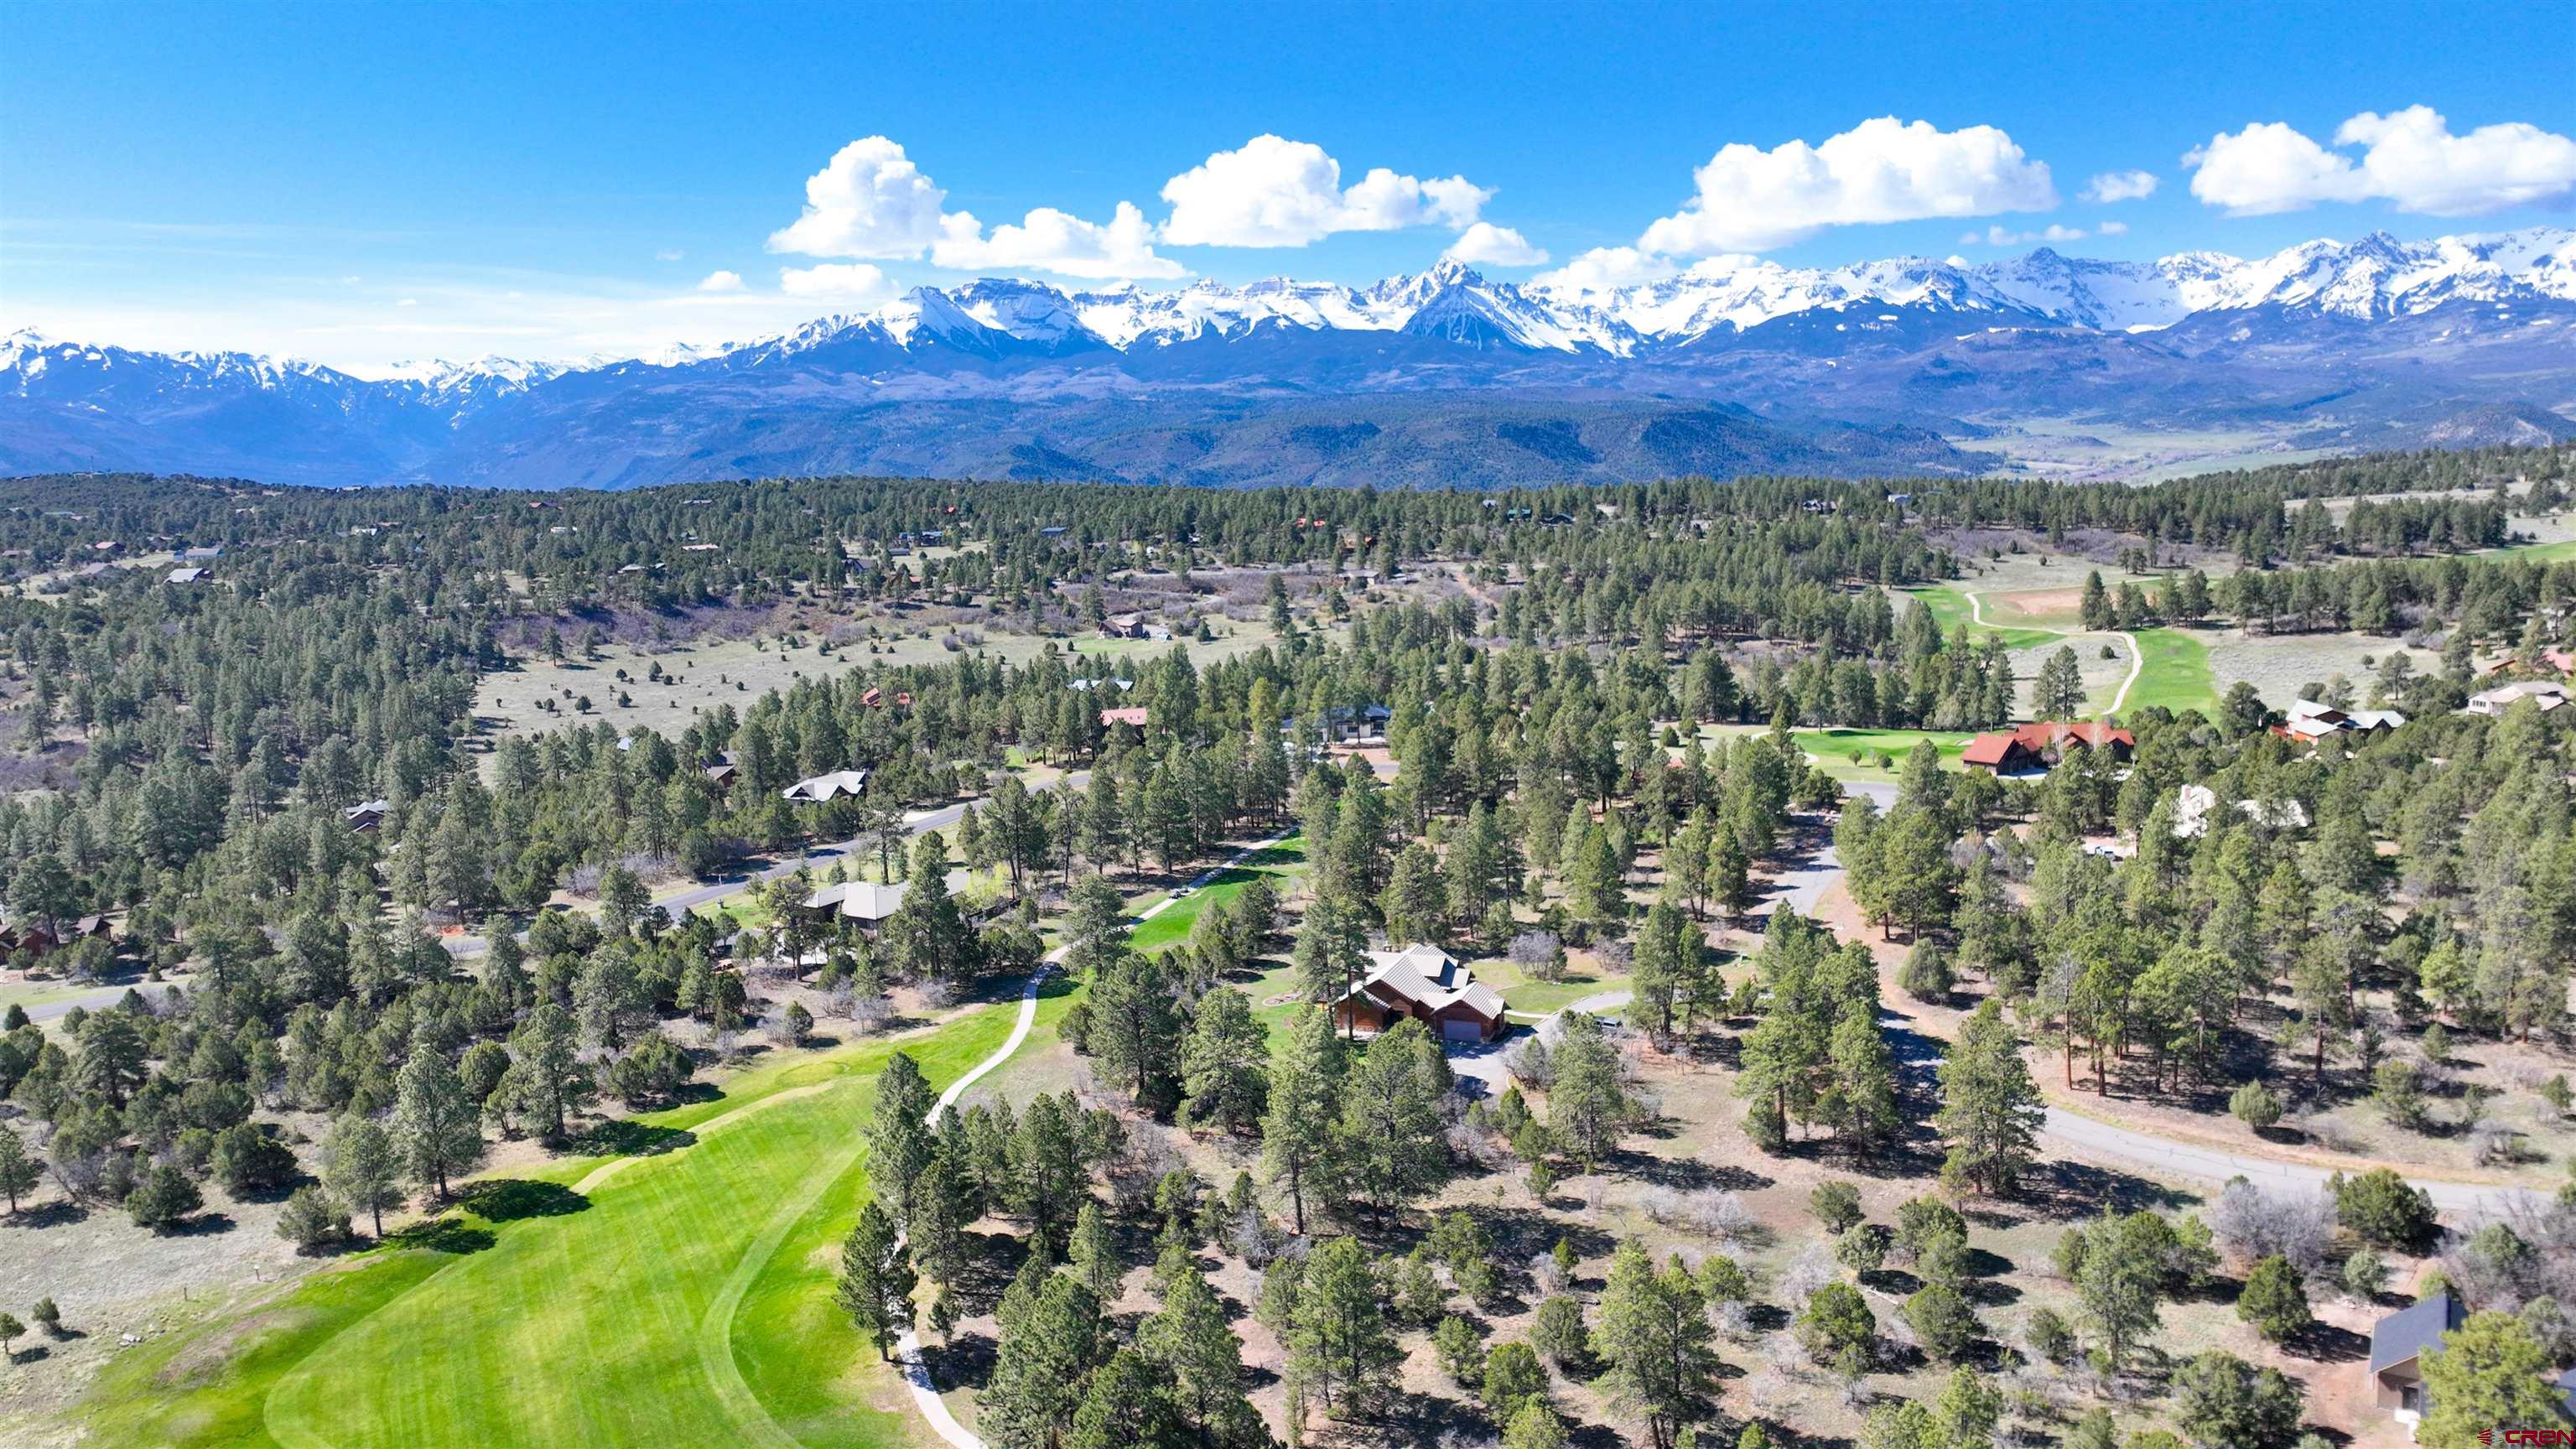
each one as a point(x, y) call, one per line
point(1443, 378)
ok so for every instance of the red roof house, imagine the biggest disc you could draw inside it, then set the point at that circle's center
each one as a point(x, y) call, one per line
point(2001, 753)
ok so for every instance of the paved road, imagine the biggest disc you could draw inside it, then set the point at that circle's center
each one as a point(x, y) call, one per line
point(907, 1353)
point(2074, 1134)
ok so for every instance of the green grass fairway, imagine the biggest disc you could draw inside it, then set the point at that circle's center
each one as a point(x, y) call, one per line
point(2175, 674)
point(1949, 606)
point(1282, 863)
point(685, 1300)
point(2564, 549)
point(1833, 749)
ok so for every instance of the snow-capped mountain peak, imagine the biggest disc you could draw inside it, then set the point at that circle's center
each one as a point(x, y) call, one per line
point(1718, 301)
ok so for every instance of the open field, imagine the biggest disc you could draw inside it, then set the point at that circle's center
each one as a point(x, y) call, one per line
point(2278, 664)
point(655, 1300)
point(700, 676)
point(2080, 449)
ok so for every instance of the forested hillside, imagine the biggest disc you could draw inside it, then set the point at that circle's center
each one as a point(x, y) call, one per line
point(401, 966)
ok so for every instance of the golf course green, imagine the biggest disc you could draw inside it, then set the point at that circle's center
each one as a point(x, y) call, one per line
point(677, 1296)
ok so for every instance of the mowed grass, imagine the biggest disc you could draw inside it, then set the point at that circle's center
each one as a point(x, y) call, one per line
point(1533, 997)
point(2564, 548)
point(1951, 611)
point(686, 1300)
point(1281, 864)
point(1834, 749)
point(2175, 673)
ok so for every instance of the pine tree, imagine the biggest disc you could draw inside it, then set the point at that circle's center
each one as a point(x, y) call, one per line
point(926, 935)
point(1093, 1252)
point(2488, 1371)
point(2096, 605)
point(1990, 1107)
point(1389, 1145)
point(2058, 692)
point(1305, 1091)
point(1594, 893)
point(1128, 1405)
point(2119, 1280)
point(1862, 1105)
point(1190, 1337)
point(2274, 1300)
point(1134, 1032)
point(1222, 1080)
point(1654, 1333)
point(1338, 1338)
point(361, 1170)
point(1095, 926)
point(551, 1073)
point(1669, 972)
point(899, 1140)
point(1050, 1342)
point(437, 1125)
point(19, 1173)
point(1586, 1106)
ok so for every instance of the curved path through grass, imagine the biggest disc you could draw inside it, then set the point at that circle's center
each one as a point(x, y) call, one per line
point(675, 1294)
point(916, 1373)
point(614, 1318)
point(2137, 654)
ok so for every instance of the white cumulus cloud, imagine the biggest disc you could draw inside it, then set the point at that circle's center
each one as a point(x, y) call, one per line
point(2120, 186)
point(1882, 170)
point(871, 201)
point(1274, 192)
point(1058, 242)
point(854, 283)
point(1607, 269)
point(721, 282)
point(1488, 245)
point(2410, 159)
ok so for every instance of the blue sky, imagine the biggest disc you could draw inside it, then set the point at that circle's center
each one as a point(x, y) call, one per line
point(370, 182)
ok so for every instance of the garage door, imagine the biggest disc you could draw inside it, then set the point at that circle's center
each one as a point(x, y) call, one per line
point(1468, 1029)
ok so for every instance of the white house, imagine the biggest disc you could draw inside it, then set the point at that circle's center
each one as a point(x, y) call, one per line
point(824, 788)
point(2547, 694)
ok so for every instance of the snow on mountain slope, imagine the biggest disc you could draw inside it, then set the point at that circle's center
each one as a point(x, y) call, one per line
point(2375, 278)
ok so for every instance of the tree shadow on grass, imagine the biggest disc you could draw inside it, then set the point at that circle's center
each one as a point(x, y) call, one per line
point(626, 1138)
point(442, 1235)
point(509, 1199)
point(49, 1214)
point(963, 1362)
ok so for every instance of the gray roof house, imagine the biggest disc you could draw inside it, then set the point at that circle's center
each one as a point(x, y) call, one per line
point(2397, 1345)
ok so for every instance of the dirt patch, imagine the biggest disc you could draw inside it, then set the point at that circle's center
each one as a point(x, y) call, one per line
point(2037, 604)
